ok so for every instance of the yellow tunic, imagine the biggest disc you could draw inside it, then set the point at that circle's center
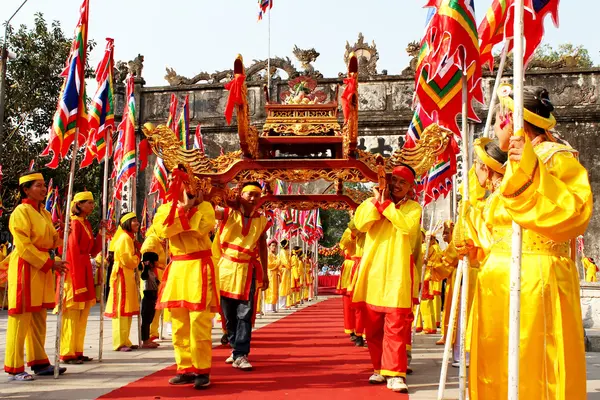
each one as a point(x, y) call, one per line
point(590, 270)
point(191, 275)
point(272, 293)
point(237, 249)
point(285, 268)
point(154, 244)
point(392, 250)
point(295, 273)
point(123, 299)
point(549, 195)
point(30, 279)
point(348, 246)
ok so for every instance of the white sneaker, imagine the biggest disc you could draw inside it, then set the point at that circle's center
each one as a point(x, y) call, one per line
point(242, 363)
point(229, 360)
point(397, 384)
point(376, 379)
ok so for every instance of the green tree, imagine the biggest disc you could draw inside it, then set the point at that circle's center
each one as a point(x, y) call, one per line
point(334, 224)
point(578, 55)
point(33, 86)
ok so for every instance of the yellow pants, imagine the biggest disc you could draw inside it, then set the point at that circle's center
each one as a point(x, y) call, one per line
point(74, 323)
point(155, 325)
point(427, 316)
point(27, 330)
point(192, 340)
point(121, 326)
point(259, 303)
point(437, 308)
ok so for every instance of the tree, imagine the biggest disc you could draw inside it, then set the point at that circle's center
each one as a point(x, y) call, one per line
point(33, 84)
point(550, 56)
point(334, 224)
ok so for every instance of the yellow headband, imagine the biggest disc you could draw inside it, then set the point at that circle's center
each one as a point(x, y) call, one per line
point(127, 217)
point(504, 92)
point(31, 177)
point(251, 188)
point(83, 196)
point(479, 145)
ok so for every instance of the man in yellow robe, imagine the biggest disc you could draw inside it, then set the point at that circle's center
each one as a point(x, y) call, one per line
point(285, 285)
point(386, 276)
point(30, 281)
point(190, 286)
point(241, 247)
point(590, 269)
point(271, 294)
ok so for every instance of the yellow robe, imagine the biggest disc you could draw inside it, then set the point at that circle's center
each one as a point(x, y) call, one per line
point(391, 257)
point(590, 270)
point(237, 250)
point(123, 300)
point(548, 194)
point(272, 293)
point(348, 246)
point(285, 269)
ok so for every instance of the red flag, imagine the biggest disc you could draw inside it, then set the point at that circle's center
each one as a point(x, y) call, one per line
point(235, 95)
point(125, 149)
point(144, 151)
point(172, 112)
point(198, 142)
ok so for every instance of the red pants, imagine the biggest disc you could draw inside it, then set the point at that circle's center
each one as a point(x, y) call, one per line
point(353, 318)
point(387, 333)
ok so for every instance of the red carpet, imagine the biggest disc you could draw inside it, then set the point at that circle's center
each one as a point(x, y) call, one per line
point(303, 356)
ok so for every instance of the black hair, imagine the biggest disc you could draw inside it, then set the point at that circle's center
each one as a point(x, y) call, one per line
point(76, 210)
point(537, 100)
point(26, 185)
point(493, 150)
point(296, 248)
point(127, 225)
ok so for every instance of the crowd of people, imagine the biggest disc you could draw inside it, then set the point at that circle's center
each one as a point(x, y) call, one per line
point(219, 260)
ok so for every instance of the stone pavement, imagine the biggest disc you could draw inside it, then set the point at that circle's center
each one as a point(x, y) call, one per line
point(90, 380)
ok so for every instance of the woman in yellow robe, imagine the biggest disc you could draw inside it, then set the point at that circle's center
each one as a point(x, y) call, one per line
point(30, 280)
point(547, 192)
point(427, 309)
point(590, 269)
point(285, 277)
point(271, 294)
point(295, 261)
point(123, 302)
point(153, 243)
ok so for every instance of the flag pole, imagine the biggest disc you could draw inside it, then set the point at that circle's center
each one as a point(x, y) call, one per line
point(64, 255)
point(107, 137)
point(488, 121)
point(269, 56)
point(462, 383)
point(515, 268)
point(423, 268)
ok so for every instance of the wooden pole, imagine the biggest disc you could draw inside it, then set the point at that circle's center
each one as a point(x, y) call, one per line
point(494, 96)
point(462, 383)
point(108, 136)
point(514, 325)
point(450, 332)
point(64, 254)
point(423, 268)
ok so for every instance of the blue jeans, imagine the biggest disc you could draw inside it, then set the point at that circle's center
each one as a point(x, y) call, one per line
point(238, 321)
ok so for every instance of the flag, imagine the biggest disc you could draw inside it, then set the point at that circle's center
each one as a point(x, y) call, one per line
point(172, 112)
point(110, 216)
point(71, 114)
point(183, 125)
point(580, 244)
point(145, 218)
point(263, 6)
point(101, 119)
point(198, 142)
point(498, 25)
point(278, 188)
point(159, 180)
point(49, 198)
point(31, 165)
point(450, 46)
point(56, 213)
point(125, 150)
point(419, 122)
point(319, 229)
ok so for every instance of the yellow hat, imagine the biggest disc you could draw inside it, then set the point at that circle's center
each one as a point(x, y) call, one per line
point(81, 196)
point(479, 146)
point(251, 188)
point(36, 176)
point(127, 217)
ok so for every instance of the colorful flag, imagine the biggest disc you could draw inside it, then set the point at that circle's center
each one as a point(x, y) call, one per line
point(419, 122)
point(172, 112)
point(145, 218)
point(263, 6)
point(198, 142)
point(31, 165)
point(102, 110)
point(125, 150)
point(71, 115)
point(56, 213)
point(110, 216)
point(159, 180)
point(49, 197)
point(498, 26)
point(451, 47)
point(319, 230)
point(183, 125)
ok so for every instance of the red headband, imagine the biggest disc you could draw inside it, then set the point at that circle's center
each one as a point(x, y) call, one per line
point(271, 242)
point(404, 172)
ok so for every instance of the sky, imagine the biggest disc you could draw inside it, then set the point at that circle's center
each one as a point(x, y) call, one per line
point(193, 36)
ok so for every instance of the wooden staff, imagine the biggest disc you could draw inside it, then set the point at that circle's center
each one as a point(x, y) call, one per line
point(514, 328)
point(107, 137)
point(64, 254)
